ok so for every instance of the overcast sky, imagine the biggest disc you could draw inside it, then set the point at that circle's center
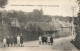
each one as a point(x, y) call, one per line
point(50, 7)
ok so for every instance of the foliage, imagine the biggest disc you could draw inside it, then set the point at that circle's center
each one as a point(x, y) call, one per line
point(77, 29)
point(24, 17)
point(3, 3)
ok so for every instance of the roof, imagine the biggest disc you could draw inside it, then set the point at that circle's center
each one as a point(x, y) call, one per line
point(43, 25)
point(65, 24)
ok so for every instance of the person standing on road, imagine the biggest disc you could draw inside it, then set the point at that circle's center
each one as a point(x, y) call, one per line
point(43, 40)
point(4, 41)
point(48, 40)
point(11, 41)
point(21, 40)
point(40, 39)
point(15, 40)
point(51, 40)
point(8, 41)
point(18, 40)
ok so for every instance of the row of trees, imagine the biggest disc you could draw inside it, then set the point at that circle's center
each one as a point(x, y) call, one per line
point(24, 17)
point(64, 18)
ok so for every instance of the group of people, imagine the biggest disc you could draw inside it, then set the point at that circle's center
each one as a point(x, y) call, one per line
point(45, 40)
point(16, 40)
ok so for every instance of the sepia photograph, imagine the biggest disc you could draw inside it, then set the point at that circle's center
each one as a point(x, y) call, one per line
point(39, 25)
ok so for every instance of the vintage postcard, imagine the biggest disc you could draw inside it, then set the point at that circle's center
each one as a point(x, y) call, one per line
point(39, 25)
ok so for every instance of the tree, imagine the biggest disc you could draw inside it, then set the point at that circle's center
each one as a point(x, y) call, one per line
point(77, 29)
point(3, 3)
point(36, 15)
point(12, 14)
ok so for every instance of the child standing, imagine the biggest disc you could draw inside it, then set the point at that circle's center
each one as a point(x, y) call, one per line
point(4, 41)
point(40, 39)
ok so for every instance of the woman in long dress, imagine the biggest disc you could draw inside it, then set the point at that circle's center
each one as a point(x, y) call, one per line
point(11, 41)
point(18, 40)
point(4, 42)
point(48, 40)
point(40, 39)
point(51, 40)
point(21, 40)
point(8, 41)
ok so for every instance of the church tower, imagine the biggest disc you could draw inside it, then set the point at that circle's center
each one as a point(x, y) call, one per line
point(41, 11)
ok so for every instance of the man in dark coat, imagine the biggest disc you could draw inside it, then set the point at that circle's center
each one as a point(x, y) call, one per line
point(11, 41)
point(21, 40)
point(8, 41)
point(15, 40)
point(51, 40)
point(43, 40)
